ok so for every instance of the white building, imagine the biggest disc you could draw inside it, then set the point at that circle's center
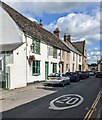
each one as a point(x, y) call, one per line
point(99, 65)
point(35, 53)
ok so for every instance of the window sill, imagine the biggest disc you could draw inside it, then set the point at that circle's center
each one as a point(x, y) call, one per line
point(36, 74)
point(36, 53)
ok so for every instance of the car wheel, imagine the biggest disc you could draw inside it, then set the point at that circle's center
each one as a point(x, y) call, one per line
point(69, 83)
point(63, 84)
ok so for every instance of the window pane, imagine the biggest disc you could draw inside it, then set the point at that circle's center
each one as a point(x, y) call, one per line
point(36, 67)
point(36, 48)
point(54, 53)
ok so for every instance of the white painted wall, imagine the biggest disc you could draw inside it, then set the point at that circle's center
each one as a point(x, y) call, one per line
point(43, 57)
point(18, 68)
point(76, 62)
point(9, 32)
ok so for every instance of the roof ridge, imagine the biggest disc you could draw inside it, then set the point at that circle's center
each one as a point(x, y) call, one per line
point(33, 28)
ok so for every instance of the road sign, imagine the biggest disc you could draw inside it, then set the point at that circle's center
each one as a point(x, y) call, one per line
point(66, 101)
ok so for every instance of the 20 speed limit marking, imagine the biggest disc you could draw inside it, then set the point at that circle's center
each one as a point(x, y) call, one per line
point(66, 101)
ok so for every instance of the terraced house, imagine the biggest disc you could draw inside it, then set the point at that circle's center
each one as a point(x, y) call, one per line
point(81, 46)
point(32, 58)
point(69, 61)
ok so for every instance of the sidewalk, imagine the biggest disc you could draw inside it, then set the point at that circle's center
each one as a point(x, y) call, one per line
point(12, 98)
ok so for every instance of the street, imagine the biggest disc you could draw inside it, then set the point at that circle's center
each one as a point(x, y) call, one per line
point(70, 101)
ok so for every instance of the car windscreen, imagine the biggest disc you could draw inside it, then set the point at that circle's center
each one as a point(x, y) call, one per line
point(54, 75)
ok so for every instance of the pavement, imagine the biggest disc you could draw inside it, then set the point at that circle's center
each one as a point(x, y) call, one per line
point(12, 98)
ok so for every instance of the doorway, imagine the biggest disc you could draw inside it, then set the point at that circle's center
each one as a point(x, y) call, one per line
point(46, 70)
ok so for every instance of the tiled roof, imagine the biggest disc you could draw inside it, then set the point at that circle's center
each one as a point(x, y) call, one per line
point(9, 47)
point(72, 48)
point(33, 28)
point(80, 46)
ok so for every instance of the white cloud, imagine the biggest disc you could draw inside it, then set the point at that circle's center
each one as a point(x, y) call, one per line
point(31, 18)
point(39, 7)
point(93, 56)
point(78, 25)
point(52, 0)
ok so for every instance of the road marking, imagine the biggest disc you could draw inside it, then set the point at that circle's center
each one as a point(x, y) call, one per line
point(66, 101)
point(93, 107)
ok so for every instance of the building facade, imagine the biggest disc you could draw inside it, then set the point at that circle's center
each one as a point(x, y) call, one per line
point(81, 46)
point(38, 55)
point(99, 65)
point(74, 58)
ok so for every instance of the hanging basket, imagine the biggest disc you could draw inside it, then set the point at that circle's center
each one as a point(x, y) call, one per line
point(31, 58)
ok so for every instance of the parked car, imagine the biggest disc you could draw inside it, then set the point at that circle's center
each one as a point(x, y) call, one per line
point(98, 74)
point(82, 74)
point(91, 73)
point(57, 78)
point(87, 74)
point(74, 77)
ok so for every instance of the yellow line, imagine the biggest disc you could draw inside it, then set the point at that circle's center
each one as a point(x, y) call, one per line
point(93, 108)
point(89, 113)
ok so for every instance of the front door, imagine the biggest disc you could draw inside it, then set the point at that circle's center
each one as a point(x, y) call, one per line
point(46, 70)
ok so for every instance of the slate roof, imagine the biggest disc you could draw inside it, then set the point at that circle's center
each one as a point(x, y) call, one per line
point(33, 28)
point(80, 45)
point(10, 47)
point(72, 47)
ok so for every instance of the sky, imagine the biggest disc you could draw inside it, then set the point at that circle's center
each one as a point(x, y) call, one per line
point(81, 20)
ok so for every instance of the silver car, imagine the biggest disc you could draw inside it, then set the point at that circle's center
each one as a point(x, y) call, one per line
point(57, 78)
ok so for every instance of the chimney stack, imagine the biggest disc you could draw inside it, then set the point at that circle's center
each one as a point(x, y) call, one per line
point(41, 23)
point(57, 32)
point(67, 37)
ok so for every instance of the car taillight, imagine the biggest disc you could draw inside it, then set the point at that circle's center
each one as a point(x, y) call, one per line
point(59, 78)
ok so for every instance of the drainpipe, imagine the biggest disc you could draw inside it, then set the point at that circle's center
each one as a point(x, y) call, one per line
point(26, 58)
point(4, 68)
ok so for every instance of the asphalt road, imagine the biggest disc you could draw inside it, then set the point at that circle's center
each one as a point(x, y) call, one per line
point(77, 101)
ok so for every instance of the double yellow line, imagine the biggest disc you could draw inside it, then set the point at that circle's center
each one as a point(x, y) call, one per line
point(93, 107)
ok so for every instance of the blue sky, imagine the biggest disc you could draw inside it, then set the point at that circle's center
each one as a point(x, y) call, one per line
point(79, 19)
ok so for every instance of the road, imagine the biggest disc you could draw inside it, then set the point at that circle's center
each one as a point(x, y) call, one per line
point(79, 96)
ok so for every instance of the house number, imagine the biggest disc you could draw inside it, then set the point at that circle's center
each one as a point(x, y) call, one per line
point(66, 101)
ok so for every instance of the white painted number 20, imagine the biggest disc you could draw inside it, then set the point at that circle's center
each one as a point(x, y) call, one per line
point(66, 101)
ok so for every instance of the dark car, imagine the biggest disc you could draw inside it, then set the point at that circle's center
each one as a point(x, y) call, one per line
point(82, 74)
point(74, 77)
point(91, 73)
point(98, 74)
point(87, 74)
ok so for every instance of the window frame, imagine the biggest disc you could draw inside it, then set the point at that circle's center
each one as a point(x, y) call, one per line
point(54, 67)
point(54, 52)
point(1, 65)
point(79, 58)
point(63, 54)
point(36, 68)
point(36, 47)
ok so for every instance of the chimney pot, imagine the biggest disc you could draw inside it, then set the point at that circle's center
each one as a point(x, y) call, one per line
point(57, 32)
point(66, 37)
point(41, 23)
